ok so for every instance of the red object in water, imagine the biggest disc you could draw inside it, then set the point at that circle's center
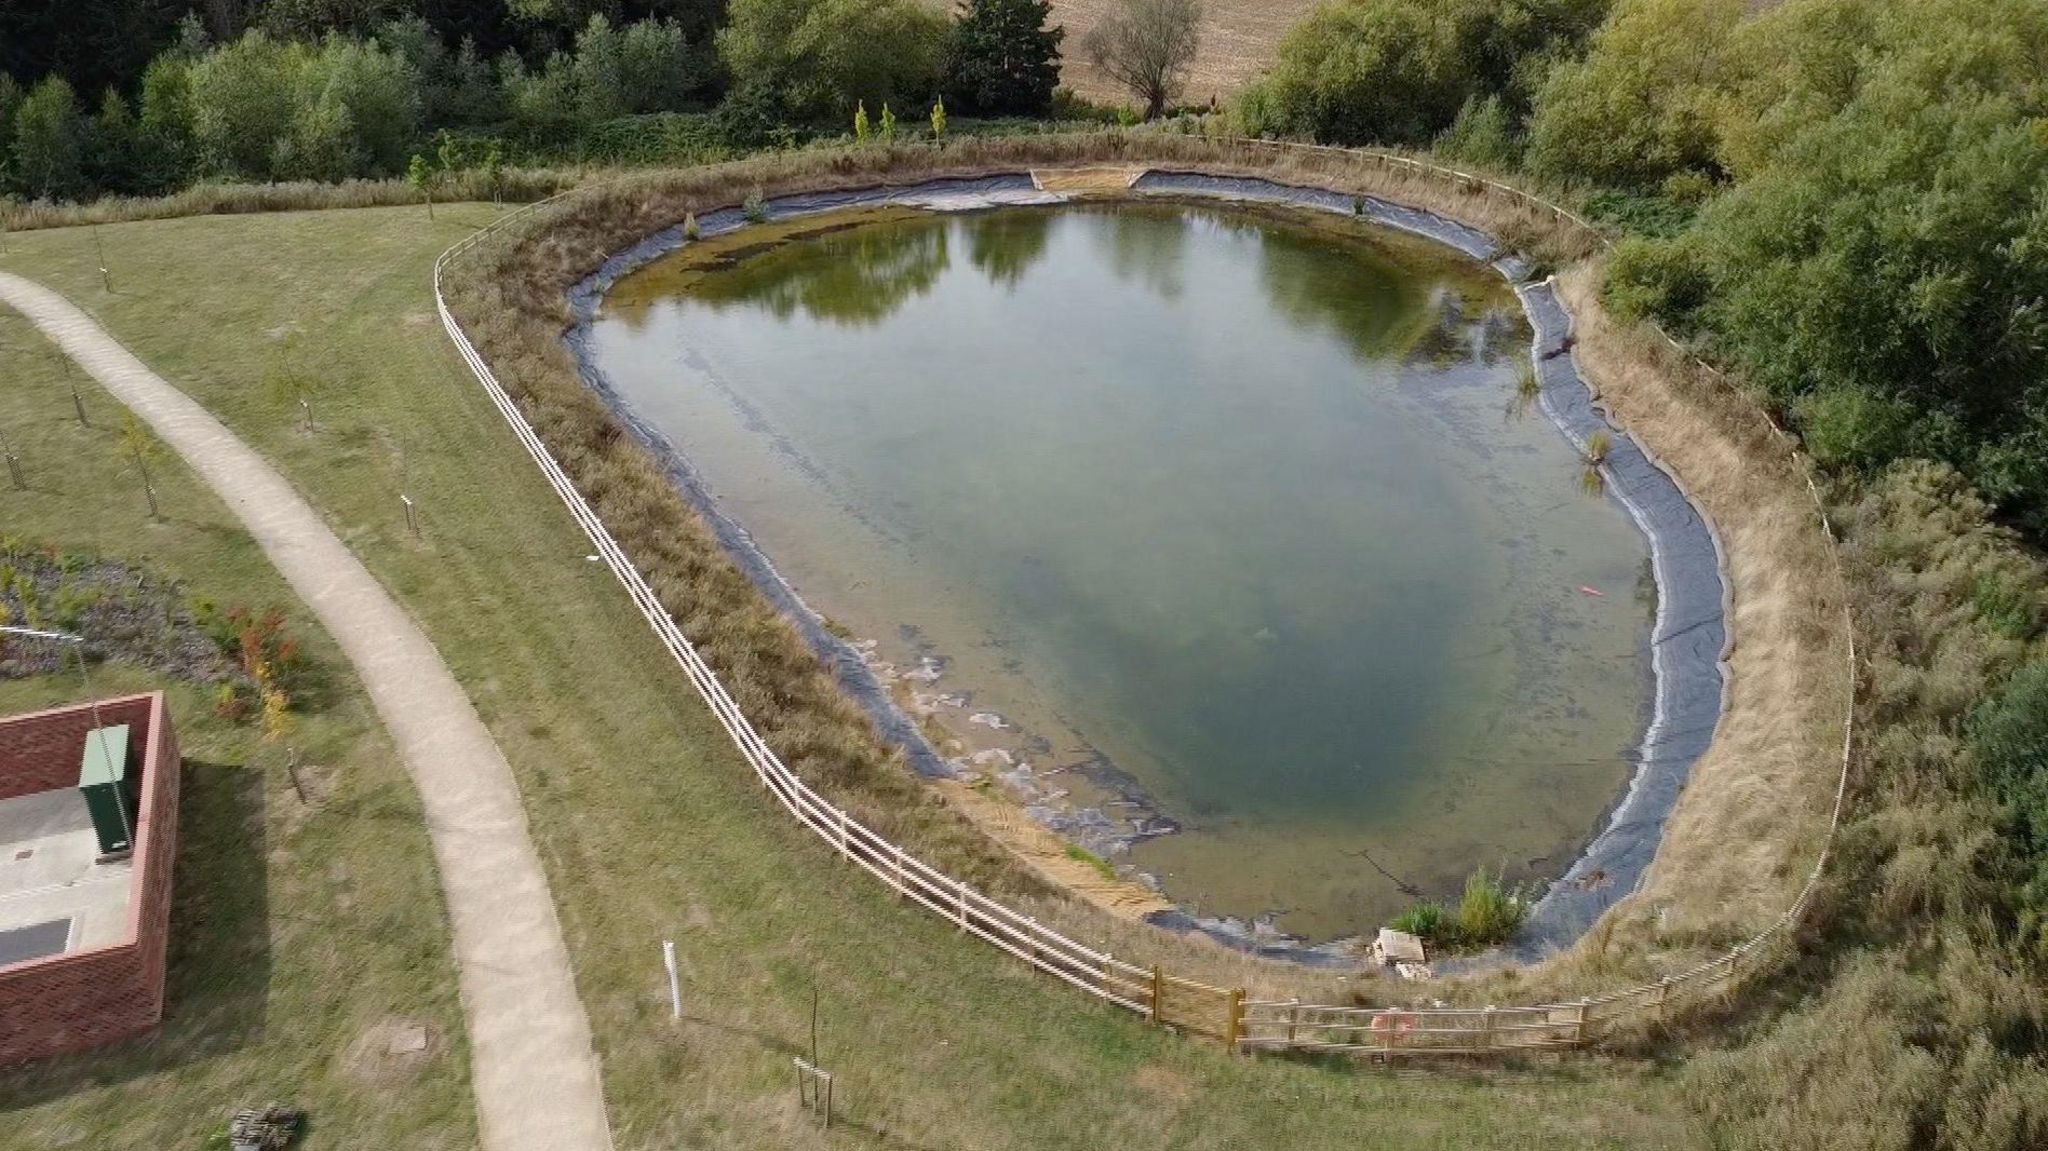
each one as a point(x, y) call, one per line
point(1592, 591)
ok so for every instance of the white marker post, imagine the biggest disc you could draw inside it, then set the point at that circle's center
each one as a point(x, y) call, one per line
point(675, 987)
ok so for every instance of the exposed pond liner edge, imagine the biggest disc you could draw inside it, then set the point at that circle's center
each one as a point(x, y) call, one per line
point(1688, 640)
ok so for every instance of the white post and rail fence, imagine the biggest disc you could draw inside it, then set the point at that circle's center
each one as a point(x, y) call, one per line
point(1165, 999)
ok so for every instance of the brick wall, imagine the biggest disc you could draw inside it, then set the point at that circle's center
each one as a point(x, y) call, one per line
point(42, 751)
point(87, 998)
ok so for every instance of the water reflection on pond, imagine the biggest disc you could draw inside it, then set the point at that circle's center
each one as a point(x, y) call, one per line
point(1232, 518)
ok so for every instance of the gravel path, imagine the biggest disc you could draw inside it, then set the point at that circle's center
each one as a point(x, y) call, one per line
point(535, 1074)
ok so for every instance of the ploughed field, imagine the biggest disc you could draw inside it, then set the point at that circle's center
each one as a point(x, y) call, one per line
point(1240, 38)
point(1222, 539)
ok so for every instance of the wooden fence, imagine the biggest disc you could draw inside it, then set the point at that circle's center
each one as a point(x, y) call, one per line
point(1166, 999)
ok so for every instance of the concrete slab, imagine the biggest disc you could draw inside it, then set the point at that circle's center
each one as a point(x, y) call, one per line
point(48, 871)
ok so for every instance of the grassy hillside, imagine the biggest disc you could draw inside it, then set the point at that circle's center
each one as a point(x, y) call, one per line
point(650, 825)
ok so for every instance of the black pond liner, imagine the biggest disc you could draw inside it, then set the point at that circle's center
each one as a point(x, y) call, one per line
point(1687, 643)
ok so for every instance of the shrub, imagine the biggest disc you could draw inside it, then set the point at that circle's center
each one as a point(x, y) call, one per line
point(1426, 921)
point(2009, 735)
point(1483, 134)
point(1488, 912)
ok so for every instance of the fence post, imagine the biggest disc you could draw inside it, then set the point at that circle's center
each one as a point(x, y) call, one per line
point(845, 848)
point(1233, 1028)
point(1663, 993)
point(1158, 986)
point(1579, 1023)
point(1293, 1019)
point(1486, 1031)
point(960, 889)
point(1031, 929)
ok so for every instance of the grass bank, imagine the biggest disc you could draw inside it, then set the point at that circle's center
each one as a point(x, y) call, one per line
point(648, 822)
point(300, 933)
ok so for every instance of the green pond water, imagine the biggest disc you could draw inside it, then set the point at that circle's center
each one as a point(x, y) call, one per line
point(1237, 513)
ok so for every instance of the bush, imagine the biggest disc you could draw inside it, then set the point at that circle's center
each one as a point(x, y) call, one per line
point(1483, 134)
point(1657, 278)
point(1488, 912)
point(2009, 736)
point(1847, 427)
point(1426, 921)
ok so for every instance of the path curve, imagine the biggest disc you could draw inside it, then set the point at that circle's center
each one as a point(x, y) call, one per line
point(535, 1074)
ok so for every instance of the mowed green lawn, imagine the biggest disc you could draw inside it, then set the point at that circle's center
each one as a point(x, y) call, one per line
point(650, 825)
point(301, 935)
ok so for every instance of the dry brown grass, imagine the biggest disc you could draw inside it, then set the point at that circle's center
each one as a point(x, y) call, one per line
point(1747, 829)
point(1744, 832)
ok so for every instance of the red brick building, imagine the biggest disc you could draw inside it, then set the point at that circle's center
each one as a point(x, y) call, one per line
point(88, 830)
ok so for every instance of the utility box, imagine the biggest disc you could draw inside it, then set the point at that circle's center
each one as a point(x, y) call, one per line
point(109, 791)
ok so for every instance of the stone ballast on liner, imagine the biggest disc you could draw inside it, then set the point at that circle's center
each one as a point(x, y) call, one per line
point(1688, 640)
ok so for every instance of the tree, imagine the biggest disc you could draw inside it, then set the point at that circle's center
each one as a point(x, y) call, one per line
point(421, 177)
point(163, 136)
point(1003, 60)
point(49, 142)
point(818, 58)
point(938, 119)
point(1880, 263)
point(494, 167)
point(1644, 102)
point(1146, 46)
point(1403, 71)
point(242, 104)
point(455, 88)
point(312, 20)
point(860, 122)
point(111, 146)
point(370, 89)
point(11, 97)
point(141, 447)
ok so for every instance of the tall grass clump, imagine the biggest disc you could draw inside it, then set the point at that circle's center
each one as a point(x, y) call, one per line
point(1488, 913)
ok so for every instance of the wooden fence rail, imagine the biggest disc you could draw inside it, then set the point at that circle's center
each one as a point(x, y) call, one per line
point(1164, 998)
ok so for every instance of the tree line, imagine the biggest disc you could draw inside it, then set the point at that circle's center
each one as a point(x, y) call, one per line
point(330, 89)
point(1842, 198)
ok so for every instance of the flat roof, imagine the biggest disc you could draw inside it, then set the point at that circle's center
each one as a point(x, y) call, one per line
point(54, 898)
